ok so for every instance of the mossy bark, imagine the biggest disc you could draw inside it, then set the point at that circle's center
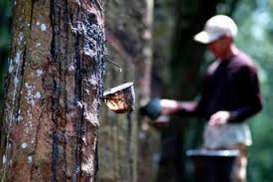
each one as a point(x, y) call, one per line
point(53, 91)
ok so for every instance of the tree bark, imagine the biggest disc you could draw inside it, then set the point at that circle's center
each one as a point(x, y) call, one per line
point(53, 91)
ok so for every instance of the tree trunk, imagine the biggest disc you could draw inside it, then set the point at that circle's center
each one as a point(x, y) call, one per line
point(186, 60)
point(178, 68)
point(53, 91)
point(128, 27)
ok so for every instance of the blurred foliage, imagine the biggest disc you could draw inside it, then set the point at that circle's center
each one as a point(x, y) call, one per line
point(5, 16)
point(5, 19)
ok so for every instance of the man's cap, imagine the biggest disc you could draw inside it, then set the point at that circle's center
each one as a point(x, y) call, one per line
point(215, 28)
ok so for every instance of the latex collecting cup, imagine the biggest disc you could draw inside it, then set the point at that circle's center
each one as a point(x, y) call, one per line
point(120, 99)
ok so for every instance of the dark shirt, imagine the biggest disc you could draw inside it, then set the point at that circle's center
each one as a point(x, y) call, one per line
point(230, 85)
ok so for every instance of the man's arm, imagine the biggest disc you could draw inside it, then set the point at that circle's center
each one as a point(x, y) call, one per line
point(249, 90)
point(156, 107)
point(172, 107)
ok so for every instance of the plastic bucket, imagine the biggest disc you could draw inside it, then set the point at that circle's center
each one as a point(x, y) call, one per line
point(213, 165)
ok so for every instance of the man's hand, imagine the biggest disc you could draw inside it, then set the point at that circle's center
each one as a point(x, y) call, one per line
point(152, 109)
point(219, 118)
point(169, 106)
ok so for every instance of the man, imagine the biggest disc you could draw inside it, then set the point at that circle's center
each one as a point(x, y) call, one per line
point(230, 93)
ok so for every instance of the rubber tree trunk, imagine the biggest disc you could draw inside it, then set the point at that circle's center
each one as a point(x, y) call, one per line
point(53, 91)
point(128, 27)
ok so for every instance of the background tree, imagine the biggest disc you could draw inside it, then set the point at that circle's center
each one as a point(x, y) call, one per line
point(182, 63)
point(53, 91)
